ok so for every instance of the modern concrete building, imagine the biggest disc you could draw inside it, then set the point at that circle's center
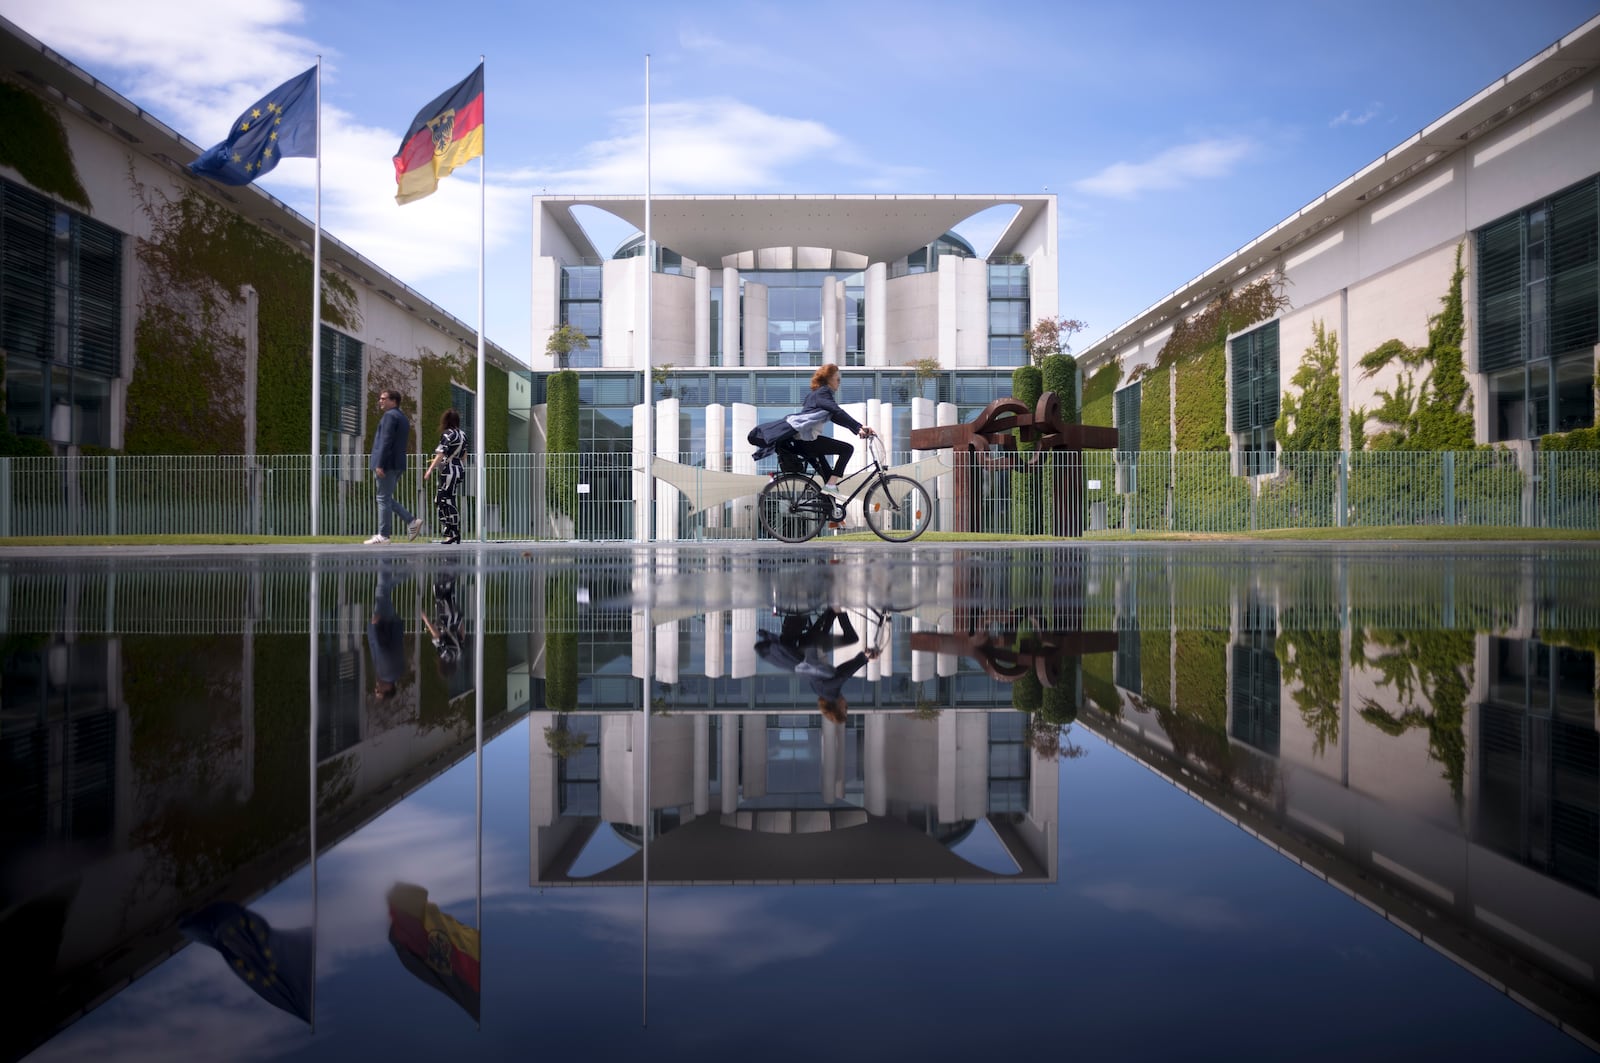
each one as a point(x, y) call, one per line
point(1509, 180)
point(95, 203)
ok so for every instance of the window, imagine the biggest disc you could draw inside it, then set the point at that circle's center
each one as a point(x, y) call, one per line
point(1257, 690)
point(1008, 313)
point(1254, 361)
point(580, 308)
point(60, 318)
point(1538, 307)
point(1127, 417)
point(342, 399)
point(465, 403)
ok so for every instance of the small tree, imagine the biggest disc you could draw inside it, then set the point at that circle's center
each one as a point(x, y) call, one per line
point(563, 341)
point(1052, 335)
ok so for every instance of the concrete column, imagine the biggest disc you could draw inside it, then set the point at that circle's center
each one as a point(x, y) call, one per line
point(730, 316)
point(667, 444)
point(666, 636)
point(716, 454)
point(945, 493)
point(744, 513)
point(702, 764)
point(716, 643)
point(728, 764)
point(754, 760)
point(875, 775)
point(876, 308)
point(922, 664)
point(832, 760)
point(744, 643)
point(755, 324)
point(702, 316)
point(830, 321)
point(641, 644)
point(946, 788)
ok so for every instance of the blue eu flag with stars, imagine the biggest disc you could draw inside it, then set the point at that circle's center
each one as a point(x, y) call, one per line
point(283, 122)
point(274, 963)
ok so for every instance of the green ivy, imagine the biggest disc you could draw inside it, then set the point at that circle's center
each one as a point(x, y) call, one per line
point(1309, 660)
point(1098, 389)
point(561, 638)
point(1061, 376)
point(1201, 423)
point(1099, 684)
point(1027, 384)
point(1309, 420)
point(34, 143)
point(1429, 675)
point(562, 448)
point(184, 394)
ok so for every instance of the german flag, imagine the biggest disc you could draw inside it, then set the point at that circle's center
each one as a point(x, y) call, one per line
point(434, 946)
point(445, 134)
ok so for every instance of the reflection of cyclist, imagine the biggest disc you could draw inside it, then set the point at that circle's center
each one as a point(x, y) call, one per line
point(804, 647)
point(819, 408)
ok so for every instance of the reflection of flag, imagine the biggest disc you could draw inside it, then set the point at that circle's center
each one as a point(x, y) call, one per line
point(433, 946)
point(445, 134)
point(283, 122)
point(275, 963)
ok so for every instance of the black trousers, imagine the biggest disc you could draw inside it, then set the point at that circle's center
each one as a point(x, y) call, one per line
point(818, 450)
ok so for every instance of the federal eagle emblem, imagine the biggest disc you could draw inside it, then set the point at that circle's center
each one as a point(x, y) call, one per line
point(443, 129)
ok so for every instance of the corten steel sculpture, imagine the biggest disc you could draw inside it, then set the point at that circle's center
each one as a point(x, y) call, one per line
point(989, 443)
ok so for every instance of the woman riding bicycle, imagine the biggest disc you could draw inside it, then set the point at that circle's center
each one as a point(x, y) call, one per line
point(819, 408)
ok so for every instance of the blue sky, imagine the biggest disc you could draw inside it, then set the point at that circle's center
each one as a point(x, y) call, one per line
point(1173, 133)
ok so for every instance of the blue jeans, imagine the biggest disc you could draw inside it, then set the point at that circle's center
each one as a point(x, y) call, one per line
point(389, 507)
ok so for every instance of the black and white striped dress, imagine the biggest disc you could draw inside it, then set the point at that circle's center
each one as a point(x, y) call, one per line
point(451, 449)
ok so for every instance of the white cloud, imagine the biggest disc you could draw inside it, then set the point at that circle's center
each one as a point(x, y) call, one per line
point(1170, 906)
point(1346, 117)
point(1173, 168)
point(700, 145)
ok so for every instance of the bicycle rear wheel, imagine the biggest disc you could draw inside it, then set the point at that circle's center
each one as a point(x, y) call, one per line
point(791, 508)
point(898, 508)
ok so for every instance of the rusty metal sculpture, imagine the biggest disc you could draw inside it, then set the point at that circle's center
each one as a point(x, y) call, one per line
point(989, 443)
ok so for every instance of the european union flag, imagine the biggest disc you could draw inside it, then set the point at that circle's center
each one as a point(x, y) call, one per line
point(283, 122)
point(275, 963)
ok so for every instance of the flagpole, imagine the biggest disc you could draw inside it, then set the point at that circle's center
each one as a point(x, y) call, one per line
point(479, 594)
point(647, 819)
point(316, 331)
point(311, 714)
point(483, 166)
point(645, 532)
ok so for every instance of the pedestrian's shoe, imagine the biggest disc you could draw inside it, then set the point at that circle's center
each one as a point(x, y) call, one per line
point(414, 529)
point(376, 540)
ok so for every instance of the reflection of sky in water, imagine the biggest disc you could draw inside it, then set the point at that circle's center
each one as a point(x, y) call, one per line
point(1168, 930)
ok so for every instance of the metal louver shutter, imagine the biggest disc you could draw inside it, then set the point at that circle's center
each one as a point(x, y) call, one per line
point(1128, 418)
point(1575, 269)
point(27, 273)
point(1500, 295)
point(96, 297)
point(1240, 357)
point(1266, 373)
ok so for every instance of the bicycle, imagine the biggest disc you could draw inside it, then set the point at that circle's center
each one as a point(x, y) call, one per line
point(793, 507)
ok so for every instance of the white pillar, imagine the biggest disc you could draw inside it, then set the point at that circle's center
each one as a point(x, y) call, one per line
point(702, 764)
point(667, 443)
point(716, 453)
point(702, 316)
point(754, 324)
point(876, 307)
point(744, 419)
point(716, 643)
point(744, 643)
point(875, 775)
point(946, 415)
point(728, 766)
point(730, 317)
point(667, 652)
point(830, 321)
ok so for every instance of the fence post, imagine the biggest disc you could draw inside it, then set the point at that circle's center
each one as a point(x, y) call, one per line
point(111, 494)
point(1341, 501)
point(5, 497)
point(1448, 470)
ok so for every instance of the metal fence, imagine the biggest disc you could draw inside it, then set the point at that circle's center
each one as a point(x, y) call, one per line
point(596, 497)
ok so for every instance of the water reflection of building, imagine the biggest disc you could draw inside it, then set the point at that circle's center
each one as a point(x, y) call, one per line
point(793, 797)
point(1446, 776)
point(154, 766)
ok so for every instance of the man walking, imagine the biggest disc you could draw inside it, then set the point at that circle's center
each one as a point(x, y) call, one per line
point(388, 463)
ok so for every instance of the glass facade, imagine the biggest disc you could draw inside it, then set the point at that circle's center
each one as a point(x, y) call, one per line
point(60, 318)
point(794, 315)
point(1538, 305)
point(1253, 362)
point(580, 308)
point(1008, 313)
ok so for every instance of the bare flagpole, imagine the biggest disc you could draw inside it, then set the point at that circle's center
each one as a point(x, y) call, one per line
point(477, 446)
point(311, 712)
point(316, 331)
point(479, 595)
point(645, 532)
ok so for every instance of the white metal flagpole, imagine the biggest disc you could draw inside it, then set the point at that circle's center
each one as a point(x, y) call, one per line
point(645, 533)
point(483, 166)
point(316, 331)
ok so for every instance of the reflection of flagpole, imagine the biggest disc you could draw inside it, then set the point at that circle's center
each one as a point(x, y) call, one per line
point(649, 678)
point(311, 714)
point(478, 595)
point(483, 166)
point(316, 330)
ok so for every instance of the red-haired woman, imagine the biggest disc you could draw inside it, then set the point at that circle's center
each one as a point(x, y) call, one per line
point(822, 406)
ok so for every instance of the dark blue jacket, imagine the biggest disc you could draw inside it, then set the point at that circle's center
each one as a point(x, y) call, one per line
point(821, 398)
point(390, 444)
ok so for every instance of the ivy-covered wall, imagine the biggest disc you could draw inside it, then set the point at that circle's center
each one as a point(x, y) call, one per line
point(184, 396)
point(33, 142)
point(1098, 389)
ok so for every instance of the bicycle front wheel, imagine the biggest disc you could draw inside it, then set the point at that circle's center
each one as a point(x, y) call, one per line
point(898, 508)
point(791, 508)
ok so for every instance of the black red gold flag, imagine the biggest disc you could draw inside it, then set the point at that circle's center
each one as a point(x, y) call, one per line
point(445, 134)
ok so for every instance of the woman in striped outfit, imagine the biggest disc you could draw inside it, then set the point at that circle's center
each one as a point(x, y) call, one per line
point(452, 446)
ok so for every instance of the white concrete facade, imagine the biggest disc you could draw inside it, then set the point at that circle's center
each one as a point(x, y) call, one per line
point(1371, 259)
